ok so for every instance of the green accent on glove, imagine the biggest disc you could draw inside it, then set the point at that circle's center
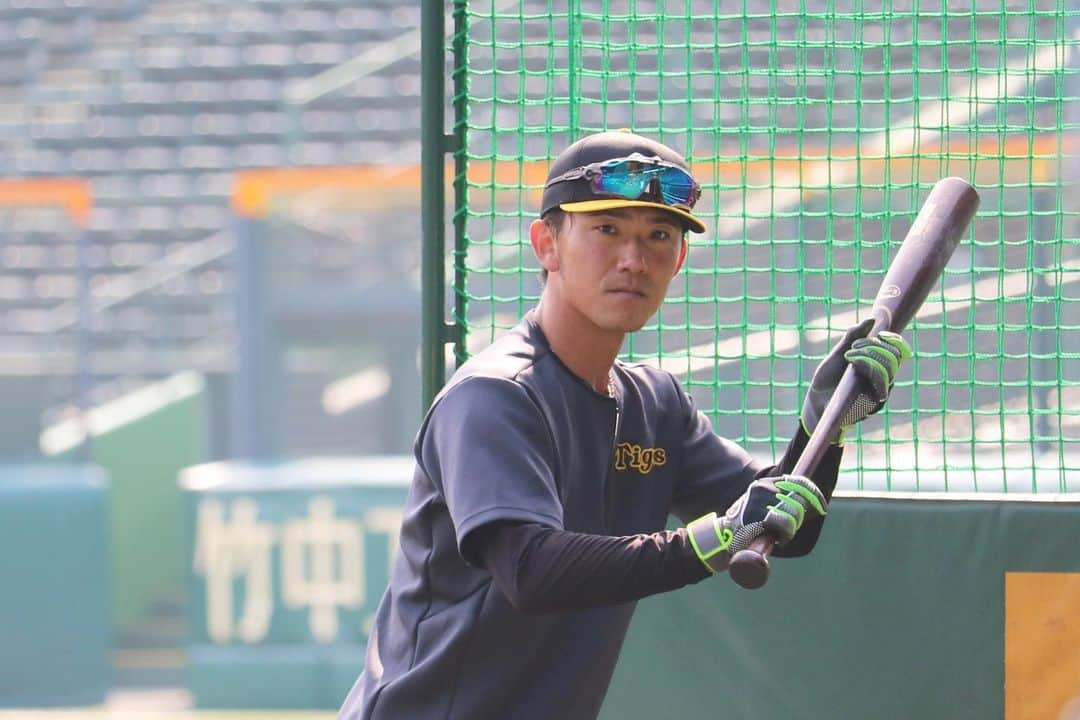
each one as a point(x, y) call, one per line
point(796, 497)
point(897, 342)
point(798, 511)
point(805, 492)
point(724, 537)
point(876, 360)
point(879, 359)
point(774, 506)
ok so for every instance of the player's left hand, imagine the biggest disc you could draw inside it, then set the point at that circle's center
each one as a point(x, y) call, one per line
point(876, 361)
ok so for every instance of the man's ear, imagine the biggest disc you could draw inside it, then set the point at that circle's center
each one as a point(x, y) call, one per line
point(682, 255)
point(543, 240)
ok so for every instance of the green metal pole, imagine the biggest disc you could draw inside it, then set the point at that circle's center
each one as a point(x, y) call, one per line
point(456, 330)
point(432, 198)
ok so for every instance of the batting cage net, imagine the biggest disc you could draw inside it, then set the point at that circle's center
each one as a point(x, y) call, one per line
point(817, 131)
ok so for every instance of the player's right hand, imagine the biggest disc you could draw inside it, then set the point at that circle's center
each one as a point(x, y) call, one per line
point(776, 506)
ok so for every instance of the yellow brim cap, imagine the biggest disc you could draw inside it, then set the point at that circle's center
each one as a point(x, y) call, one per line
point(692, 222)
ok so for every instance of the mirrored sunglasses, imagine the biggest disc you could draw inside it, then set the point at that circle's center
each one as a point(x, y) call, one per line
point(633, 176)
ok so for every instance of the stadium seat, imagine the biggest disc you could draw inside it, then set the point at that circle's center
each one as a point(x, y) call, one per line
point(158, 103)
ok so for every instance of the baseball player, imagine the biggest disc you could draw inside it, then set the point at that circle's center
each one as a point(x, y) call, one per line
point(546, 469)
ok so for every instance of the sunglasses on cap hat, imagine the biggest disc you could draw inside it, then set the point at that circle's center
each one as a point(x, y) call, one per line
point(633, 176)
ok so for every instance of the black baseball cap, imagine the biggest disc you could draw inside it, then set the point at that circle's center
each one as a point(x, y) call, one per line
point(578, 195)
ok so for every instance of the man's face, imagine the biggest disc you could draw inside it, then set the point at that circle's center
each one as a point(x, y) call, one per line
point(611, 267)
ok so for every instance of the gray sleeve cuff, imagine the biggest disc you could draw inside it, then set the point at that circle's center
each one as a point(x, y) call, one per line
point(710, 541)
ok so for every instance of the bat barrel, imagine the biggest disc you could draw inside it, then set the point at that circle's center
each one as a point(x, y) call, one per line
point(917, 267)
point(927, 247)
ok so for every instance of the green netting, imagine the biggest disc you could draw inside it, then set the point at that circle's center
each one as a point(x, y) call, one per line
point(817, 128)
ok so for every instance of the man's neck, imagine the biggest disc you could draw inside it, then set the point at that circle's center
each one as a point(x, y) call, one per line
point(586, 350)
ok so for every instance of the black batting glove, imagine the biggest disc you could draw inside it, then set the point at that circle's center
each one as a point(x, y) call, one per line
point(876, 360)
point(773, 506)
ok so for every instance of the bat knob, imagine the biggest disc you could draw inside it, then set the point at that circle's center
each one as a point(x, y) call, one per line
point(749, 568)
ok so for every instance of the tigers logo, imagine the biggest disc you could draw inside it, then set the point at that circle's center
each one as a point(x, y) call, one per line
point(628, 455)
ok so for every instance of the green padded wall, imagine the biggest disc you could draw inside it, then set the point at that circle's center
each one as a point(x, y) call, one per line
point(54, 603)
point(899, 614)
point(143, 441)
point(287, 563)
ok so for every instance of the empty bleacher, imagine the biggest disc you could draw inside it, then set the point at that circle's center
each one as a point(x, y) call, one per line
point(158, 104)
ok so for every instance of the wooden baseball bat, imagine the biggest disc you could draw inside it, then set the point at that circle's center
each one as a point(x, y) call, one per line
point(927, 247)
